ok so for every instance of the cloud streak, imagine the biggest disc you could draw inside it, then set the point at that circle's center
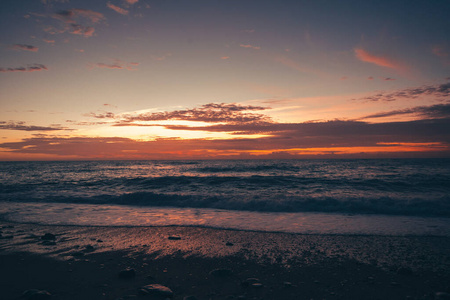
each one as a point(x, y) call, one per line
point(210, 113)
point(250, 46)
point(23, 47)
point(74, 21)
point(23, 127)
point(437, 91)
point(117, 9)
point(29, 68)
point(380, 61)
point(117, 65)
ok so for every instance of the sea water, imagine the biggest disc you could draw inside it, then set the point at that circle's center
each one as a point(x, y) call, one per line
point(379, 196)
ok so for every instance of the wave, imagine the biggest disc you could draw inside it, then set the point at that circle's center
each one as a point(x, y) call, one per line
point(383, 205)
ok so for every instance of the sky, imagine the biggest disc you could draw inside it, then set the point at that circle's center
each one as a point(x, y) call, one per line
point(235, 79)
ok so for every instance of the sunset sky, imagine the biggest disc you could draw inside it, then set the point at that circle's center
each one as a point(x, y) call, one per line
point(201, 79)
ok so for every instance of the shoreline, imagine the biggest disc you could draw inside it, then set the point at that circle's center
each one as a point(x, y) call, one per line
point(288, 265)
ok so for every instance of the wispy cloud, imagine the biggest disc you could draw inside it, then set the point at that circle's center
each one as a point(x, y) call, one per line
point(69, 16)
point(24, 47)
point(131, 1)
point(29, 68)
point(74, 21)
point(117, 64)
point(250, 46)
point(298, 67)
point(49, 41)
point(23, 127)
point(438, 91)
point(381, 61)
point(433, 111)
point(211, 112)
point(117, 9)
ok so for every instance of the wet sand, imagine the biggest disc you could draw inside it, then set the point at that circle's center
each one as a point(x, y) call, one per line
point(73, 262)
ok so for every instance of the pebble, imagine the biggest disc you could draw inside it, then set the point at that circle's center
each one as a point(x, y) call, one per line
point(128, 273)
point(229, 244)
point(221, 272)
point(77, 254)
point(34, 294)
point(48, 237)
point(174, 237)
point(89, 248)
point(156, 290)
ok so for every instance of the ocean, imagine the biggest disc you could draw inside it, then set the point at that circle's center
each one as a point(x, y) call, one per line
point(374, 196)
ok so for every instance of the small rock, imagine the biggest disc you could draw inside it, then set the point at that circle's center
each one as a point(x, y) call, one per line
point(221, 272)
point(127, 273)
point(99, 241)
point(36, 295)
point(287, 284)
point(89, 248)
point(190, 298)
point(257, 285)
point(48, 237)
point(441, 296)
point(48, 243)
point(394, 283)
point(404, 271)
point(229, 244)
point(156, 290)
point(77, 254)
point(174, 237)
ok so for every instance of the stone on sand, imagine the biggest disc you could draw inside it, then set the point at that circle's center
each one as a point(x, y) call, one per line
point(221, 272)
point(35, 294)
point(48, 237)
point(128, 273)
point(157, 290)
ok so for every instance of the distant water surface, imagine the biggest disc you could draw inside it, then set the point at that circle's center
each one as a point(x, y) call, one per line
point(276, 189)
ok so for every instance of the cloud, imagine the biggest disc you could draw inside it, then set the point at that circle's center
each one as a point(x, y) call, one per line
point(298, 67)
point(69, 16)
point(86, 31)
point(131, 2)
point(117, 64)
point(29, 68)
point(161, 58)
point(438, 91)
point(24, 47)
point(381, 61)
point(332, 136)
point(104, 115)
point(117, 9)
point(250, 46)
point(211, 112)
point(225, 57)
point(434, 111)
point(388, 79)
point(21, 126)
point(74, 21)
point(49, 41)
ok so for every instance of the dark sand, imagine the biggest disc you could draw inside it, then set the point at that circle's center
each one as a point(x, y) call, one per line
point(85, 262)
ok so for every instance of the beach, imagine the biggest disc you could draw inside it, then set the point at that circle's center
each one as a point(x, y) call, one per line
point(88, 262)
